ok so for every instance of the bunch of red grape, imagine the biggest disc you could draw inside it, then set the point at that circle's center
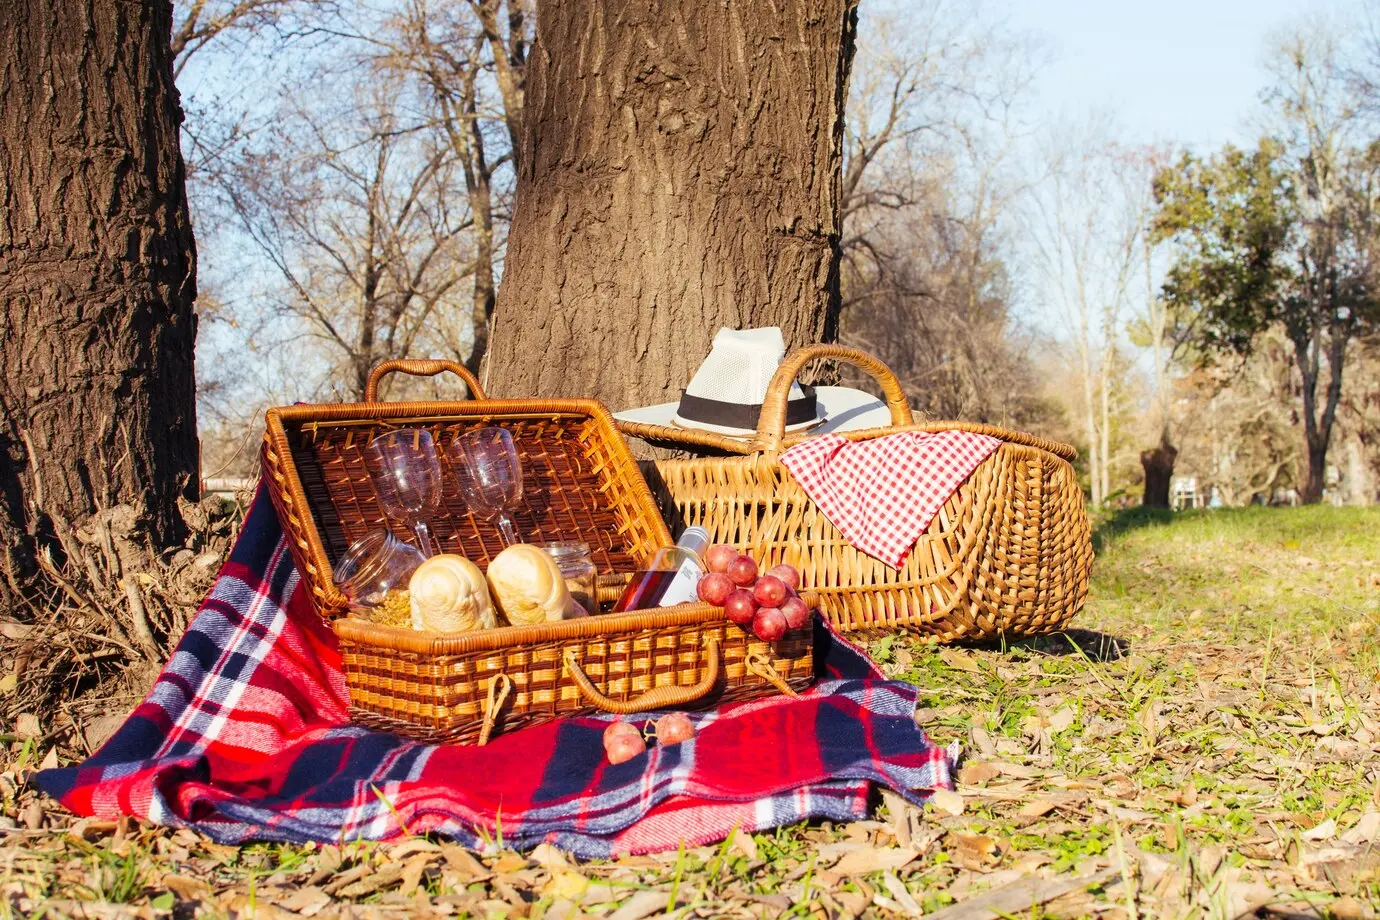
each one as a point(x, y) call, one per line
point(769, 602)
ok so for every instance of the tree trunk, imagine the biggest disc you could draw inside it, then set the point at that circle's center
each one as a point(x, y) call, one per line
point(97, 274)
point(1158, 464)
point(679, 172)
point(1105, 433)
point(1317, 427)
point(1094, 444)
point(1317, 472)
point(510, 61)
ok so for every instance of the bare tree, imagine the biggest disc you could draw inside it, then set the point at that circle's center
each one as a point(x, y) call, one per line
point(1236, 426)
point(1088, 227)
point(197, 23)
point(928, 189)
point(363, 219)
point(451, 48)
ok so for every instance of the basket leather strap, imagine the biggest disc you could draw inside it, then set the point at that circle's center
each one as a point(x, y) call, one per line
point(761, 666)
point(492, 705)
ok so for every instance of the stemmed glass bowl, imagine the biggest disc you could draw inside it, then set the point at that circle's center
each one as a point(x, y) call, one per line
point(490, 476)
point(407, 479)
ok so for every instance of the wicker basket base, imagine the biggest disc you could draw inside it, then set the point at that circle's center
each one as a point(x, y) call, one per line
point(435, 689)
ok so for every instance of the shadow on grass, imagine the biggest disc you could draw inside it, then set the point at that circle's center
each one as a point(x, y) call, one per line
point(1094, 645)
point(1125, 521)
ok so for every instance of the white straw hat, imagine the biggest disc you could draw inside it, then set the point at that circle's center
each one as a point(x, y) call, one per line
point(726, 393)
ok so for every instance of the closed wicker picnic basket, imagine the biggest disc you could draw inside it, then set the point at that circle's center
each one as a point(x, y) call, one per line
point(1008, 555)
point(580, 483)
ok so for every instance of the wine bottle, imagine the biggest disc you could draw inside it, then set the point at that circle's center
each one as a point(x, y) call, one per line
point(671, 576)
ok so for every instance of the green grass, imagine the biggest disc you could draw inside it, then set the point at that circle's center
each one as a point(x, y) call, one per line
point(1212, 709)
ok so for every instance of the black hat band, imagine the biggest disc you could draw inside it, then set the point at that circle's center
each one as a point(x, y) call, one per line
point(744, 416)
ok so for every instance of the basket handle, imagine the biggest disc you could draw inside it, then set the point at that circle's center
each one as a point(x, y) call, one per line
point(419, 368)
point(771, 425)
point(655, 698)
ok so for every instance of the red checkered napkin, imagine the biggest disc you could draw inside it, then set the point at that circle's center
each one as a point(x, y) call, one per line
point(881, 494)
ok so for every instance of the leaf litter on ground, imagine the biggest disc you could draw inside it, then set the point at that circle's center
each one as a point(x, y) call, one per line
point(1203, 741)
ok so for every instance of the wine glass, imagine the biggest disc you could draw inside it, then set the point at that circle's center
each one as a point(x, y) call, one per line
point(407, 479)
point(492, 475)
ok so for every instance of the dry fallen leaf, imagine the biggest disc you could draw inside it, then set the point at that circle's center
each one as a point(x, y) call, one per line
point(1348, 908)
point(898, 891)
point(549, 857)
point(464, 862)
point(26, 725)
point(642, 904)
point(509, 861)
point(243, 905)
point(975, 774)
point(1324, 831)
point(1061, 720)
point(308, 901)
point(1149, 719)
point(959, 660)
point(413, 871)
point(1364, 831)
point(975, 851)
point(1038, 808)
point(32, 815)
point(1184, 797)
point(566, 885)
point(873, 859)
point(947, 801)
point(413, 846)
point(191, 889)
point(982, 740)
point(1018, 770)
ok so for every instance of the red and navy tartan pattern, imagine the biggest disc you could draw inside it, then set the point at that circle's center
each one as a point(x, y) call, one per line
point(881, 494)
point(245, 735)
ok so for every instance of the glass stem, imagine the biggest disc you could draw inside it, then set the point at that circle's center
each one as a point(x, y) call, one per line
point(424, 539)
point(508, 528)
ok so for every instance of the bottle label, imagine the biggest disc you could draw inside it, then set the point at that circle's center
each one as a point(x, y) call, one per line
point(683, 587)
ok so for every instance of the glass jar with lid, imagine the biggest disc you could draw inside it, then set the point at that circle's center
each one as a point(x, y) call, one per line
point(577, 567)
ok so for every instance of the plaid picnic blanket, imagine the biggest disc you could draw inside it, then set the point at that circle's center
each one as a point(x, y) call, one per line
point(246, 736)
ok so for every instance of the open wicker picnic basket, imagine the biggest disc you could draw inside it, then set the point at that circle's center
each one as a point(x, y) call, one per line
point(580, 483)
point(1008, 555)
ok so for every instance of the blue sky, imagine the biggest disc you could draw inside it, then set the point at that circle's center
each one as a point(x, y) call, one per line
point(1188, 72)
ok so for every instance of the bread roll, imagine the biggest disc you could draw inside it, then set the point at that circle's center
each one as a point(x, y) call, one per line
point(449, 594)
point(529, 588)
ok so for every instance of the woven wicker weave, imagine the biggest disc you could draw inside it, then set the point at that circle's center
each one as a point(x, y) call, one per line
point(1009, 554)
point(579, 483)
point(438, 687)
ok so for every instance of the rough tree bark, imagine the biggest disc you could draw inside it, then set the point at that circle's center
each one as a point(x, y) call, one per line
point(679, 171)
point(97, 275)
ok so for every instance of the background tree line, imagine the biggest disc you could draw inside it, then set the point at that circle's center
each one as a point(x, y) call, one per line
point(1167, 311)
